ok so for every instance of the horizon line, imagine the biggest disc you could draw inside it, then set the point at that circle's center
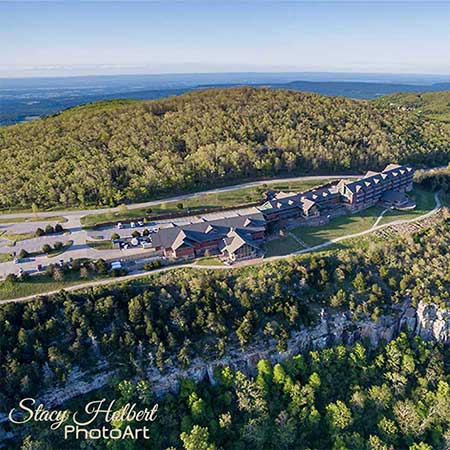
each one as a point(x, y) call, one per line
point(226, 72)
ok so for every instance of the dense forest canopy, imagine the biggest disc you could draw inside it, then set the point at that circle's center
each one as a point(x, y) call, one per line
point(395, 397)
point(434, 105)
point(173, 317)
point(114, 152)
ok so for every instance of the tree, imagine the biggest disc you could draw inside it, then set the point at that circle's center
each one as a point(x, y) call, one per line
point(115, 236)
point(244, 331)
point(39, 232)
point(101, 266)
point(46, 248)
point(30, 444)
point(84, 272)
point(420, 446)
point(252, 139)
point(135, 310)
point(180, 205)
point(359, 282)
point(408, 417)
point(184, 355)
point(23, 253)
point(49, 229)
point(11, 277)
point(59, 228)
point(58, 245)
point(338, 415)
point(58, 274)
point(197, 439)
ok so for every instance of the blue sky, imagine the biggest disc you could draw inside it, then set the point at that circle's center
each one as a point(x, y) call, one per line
point(73, 37)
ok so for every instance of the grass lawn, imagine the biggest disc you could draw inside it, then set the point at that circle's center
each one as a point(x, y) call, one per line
point(5, 257)
point(424, 201)
point(207, 201)
point(105, 244)
point(59, 219)
point(364, 220)
point(209, 261)
point(18, 236)
point(282, 246)
point(340, 226)
point(39, 284)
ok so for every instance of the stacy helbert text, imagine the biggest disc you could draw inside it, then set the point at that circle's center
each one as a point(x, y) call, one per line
point(94, 412)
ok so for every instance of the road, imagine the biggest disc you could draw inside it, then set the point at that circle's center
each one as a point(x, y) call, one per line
point(81, 237)
point(244, 263)
point(87, 212)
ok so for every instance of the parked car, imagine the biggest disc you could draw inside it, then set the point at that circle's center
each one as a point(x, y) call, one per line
point(119, 226)
point(140, 224)
point(39, 267)
point(132, 225)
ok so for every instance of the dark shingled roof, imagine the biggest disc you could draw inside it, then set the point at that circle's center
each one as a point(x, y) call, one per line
point(373, 178)
point(204, 231)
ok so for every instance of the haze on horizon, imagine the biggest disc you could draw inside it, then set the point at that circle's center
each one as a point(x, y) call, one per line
point(65, 38)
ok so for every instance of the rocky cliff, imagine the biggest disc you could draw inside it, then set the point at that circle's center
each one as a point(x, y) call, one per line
point(427, 320)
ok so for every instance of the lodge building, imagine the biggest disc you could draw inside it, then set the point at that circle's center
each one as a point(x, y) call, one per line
point(369, 190)
point(241, 237)
point(231, 238)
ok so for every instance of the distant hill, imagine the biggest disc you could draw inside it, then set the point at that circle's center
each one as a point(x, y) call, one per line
point(351, 89)
point(23, 100)
point(434, 105)
point(107, 153)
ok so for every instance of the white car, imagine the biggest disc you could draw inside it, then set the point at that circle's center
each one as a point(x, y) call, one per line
point(132, 225)
point(140, 224)
point(119, 226)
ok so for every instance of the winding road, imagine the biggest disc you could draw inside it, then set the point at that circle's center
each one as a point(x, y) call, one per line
point(259, 261)
point(80, 237)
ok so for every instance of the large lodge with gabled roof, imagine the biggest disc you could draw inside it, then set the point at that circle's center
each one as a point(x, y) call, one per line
point(240, 237)
point(370, 189)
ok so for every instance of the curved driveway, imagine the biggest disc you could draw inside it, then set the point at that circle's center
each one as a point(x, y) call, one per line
point(87, 212)
point(244, 263)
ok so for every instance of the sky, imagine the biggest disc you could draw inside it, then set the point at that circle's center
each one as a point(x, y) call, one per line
point(114, 37)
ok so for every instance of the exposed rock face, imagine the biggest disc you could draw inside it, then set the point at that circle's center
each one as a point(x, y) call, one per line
point(433, 322)
point(427, 321)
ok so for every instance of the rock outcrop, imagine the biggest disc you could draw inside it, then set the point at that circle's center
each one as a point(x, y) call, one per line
point(427, 320)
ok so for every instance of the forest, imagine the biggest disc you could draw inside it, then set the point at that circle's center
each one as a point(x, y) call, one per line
point(394, 397)
point(433, 105)
point(110, 153)
point(170, 318)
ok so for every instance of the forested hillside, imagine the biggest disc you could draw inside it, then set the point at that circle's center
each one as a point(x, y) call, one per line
point(173, 317)
point(114, 152)
point(434, 105)
point(395, 397)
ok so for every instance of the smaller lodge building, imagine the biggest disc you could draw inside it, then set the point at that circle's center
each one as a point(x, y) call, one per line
point(233, 238)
